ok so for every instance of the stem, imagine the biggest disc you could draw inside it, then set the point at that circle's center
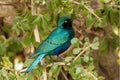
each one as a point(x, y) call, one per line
point(59, 63)
point(34, 12)
point(64, 75)
point(44, 70)
point(90, 10)
point(91, 74)
point(82, 52)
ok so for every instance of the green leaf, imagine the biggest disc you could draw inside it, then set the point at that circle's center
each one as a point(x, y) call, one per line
point(78, 70)
point(91, 67)
point(86, 58)
point(104, 46)
point(4, 72)
point(6, 62)
point(47, 17)
point(3, 48)
point(28, 62)
point(30, 77)
point(2, 39)
point(68, 59)
point(36, 20)
point(28, 39)
point(87, 39)
point(85, 13)
point(95, 43)
point(54, 71)
point(75, 42)
point(26, 26)
point(11, 76)
point(6, 28)
point(21, 77)
point(14, 45)
point(89, 21)
point(76, 50)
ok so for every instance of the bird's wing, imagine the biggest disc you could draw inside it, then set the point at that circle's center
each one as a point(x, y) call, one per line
point(54, 40)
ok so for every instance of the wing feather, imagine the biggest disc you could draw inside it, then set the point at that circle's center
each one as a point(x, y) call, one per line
point(54, 40)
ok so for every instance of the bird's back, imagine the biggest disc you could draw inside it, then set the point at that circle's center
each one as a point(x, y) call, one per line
point(54, 40)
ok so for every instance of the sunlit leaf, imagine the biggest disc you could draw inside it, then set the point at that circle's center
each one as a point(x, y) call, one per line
point(86, 58)
point(76, 50)
point(67, 59)
point(91, 67)
point(28, 62)
point(95, 43)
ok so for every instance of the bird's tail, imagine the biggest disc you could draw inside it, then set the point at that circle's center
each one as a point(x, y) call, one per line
point(35, 62)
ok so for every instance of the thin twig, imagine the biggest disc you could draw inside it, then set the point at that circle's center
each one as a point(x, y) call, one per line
point(64, 74)
point(90, 74)
point(44, 74)
point(59, 63)
point(34, 12)
point(90, 10)
point(23, 70)
point(44, 70)
point(82, 52)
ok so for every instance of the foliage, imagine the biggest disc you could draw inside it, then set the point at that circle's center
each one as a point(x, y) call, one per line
point(78, 64)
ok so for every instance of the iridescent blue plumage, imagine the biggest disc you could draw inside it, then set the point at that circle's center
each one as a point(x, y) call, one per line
point(57, 42)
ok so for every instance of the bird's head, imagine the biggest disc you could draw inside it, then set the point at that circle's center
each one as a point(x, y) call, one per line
point(65, 22)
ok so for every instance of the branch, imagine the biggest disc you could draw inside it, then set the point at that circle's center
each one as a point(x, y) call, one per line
point(90, 10)
point(82, 52)
point(23, 70)
point(44, 70)
point(34, 12)
point(88, 72)
point(64, 74)
point(59, 63)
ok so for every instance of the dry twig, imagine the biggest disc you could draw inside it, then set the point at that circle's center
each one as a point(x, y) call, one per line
point(82, 52)
point(90, 10)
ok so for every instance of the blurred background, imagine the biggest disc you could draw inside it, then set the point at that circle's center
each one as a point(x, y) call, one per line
point(93, 55)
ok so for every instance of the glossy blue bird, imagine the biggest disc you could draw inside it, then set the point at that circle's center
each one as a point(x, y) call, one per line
point(57, 42)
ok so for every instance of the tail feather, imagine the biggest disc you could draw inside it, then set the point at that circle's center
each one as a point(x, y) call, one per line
point(35, 62)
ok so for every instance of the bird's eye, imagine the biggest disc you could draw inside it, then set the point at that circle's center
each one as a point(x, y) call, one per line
point(65, 21)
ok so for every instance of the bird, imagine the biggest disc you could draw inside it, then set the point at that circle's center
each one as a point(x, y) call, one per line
point(57, 42)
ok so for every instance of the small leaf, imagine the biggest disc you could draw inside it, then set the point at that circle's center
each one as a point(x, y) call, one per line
point(95, 43)
point(67, 59)
point(76, 50)
point(104, 46)
point(2, 39)
point(6, 62)
point(14, 45)
point(54, 71)
point(6, 28)
point(30, 77)
point(28, 39)
point(3, 48)
point(91, 67)
point(74, 40)
point(87, 39)
point(86, 58)
point(36, 20)
point(4, 72)
point(78, 70)
point(28, 62)
point(89, 21)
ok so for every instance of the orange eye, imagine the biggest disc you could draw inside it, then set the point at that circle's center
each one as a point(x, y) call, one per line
point(65, 21)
